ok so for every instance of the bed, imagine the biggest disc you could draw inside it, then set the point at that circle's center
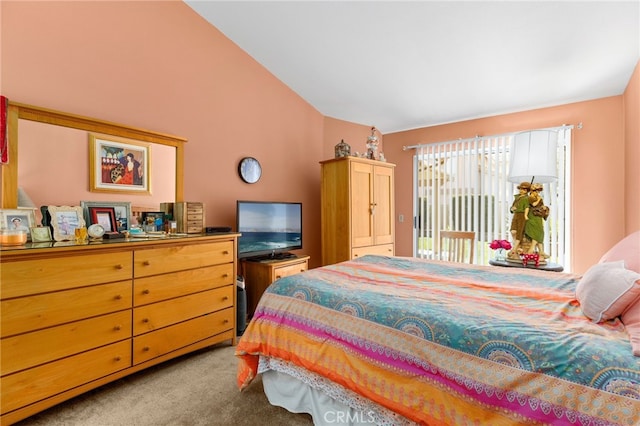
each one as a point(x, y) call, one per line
point(393, 340)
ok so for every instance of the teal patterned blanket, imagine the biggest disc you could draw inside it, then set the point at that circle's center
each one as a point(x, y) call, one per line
point(443, 343)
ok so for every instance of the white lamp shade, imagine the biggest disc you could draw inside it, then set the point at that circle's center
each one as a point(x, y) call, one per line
point(533, 157)
point(24, 200)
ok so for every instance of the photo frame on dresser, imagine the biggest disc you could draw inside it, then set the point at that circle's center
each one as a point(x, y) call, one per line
point(18, 219)
point(155, 218)
point(65, 220)
point(41, 234)
point(122, 212)
point(105, 216)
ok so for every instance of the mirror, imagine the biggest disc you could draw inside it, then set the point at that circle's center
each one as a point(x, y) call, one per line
point(38, 127)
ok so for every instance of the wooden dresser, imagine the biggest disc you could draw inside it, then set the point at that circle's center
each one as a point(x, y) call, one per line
point(76, 317)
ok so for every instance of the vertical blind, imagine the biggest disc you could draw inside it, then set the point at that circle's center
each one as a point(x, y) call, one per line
point(462, 185)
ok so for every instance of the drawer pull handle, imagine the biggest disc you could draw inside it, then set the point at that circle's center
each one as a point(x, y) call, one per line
point(146, 291)
point(117, 328)
point(118, 358)
point(145, 320)
point(278, 277)
point(302, 270)
point(225, 298)
point(146, 263)
point(225, 275)
point(146, 349)
point(118, 297)
point(119, 266)
point(225, 321)
point(225, 252)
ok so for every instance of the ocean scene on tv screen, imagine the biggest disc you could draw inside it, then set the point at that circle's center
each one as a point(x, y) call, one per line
point(269, 227)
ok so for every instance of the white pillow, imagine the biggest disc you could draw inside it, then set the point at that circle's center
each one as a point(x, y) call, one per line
point(606, 290)
point(628, 249)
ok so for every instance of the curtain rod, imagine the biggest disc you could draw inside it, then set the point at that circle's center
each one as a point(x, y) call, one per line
point(562, 127)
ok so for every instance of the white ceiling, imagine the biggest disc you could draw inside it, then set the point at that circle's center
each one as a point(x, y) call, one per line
point(403, 65)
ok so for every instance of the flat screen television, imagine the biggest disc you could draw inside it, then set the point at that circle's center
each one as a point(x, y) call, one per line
point(268, 228)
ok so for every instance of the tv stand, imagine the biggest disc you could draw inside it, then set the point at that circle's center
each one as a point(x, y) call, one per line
point(260, 273)
point(272, 256)
point(282, 256)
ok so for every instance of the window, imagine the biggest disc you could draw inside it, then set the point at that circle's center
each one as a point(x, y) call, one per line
point(462, 185)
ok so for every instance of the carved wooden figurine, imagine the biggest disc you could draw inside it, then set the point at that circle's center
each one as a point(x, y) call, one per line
point(535, 216)
point(518, 208)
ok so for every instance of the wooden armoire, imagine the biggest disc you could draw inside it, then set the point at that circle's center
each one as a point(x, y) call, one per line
point(357, 208)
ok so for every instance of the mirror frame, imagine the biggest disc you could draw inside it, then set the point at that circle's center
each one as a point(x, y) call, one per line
point(16, 111)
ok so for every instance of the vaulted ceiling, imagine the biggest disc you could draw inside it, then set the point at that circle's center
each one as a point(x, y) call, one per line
point(401, 65)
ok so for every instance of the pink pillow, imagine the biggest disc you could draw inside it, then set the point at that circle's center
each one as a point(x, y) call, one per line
point(607, 289)
point(631, 320)
point(627, 249)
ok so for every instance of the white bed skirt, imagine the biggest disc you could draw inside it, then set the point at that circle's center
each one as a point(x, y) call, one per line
point(295, 396)
point(299, 391)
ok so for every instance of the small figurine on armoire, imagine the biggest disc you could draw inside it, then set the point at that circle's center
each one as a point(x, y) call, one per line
point(372, 145)
point(342, 149)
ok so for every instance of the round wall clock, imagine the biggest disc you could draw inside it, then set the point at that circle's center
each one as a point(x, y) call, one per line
point(250, 170)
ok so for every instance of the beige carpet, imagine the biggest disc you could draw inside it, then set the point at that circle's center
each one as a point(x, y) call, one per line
point(195, 389)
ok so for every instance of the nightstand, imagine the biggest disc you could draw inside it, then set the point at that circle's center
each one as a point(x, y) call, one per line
point(259, 274)
point(549, 266)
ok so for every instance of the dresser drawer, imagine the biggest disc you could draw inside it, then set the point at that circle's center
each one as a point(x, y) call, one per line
point(26, 277)
point(160, 342)
point(181, 257)
point(161, 287)
point(38, 347)
point(285, 271)
point(381, 250)
point(155, 316)
point(32, 385)
point(30, 313)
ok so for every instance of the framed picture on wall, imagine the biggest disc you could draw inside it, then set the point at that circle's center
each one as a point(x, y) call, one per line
point(119, 165)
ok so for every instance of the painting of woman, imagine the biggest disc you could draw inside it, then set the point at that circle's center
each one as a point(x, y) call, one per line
point(130, 171)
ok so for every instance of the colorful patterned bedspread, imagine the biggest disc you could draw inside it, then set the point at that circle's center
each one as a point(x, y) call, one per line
point(450, 344)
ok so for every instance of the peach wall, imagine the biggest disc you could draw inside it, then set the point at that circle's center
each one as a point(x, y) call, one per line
point(50, 176)
point(354, 134)
point(598, 169)
point(158, 65)
point(631, 99)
